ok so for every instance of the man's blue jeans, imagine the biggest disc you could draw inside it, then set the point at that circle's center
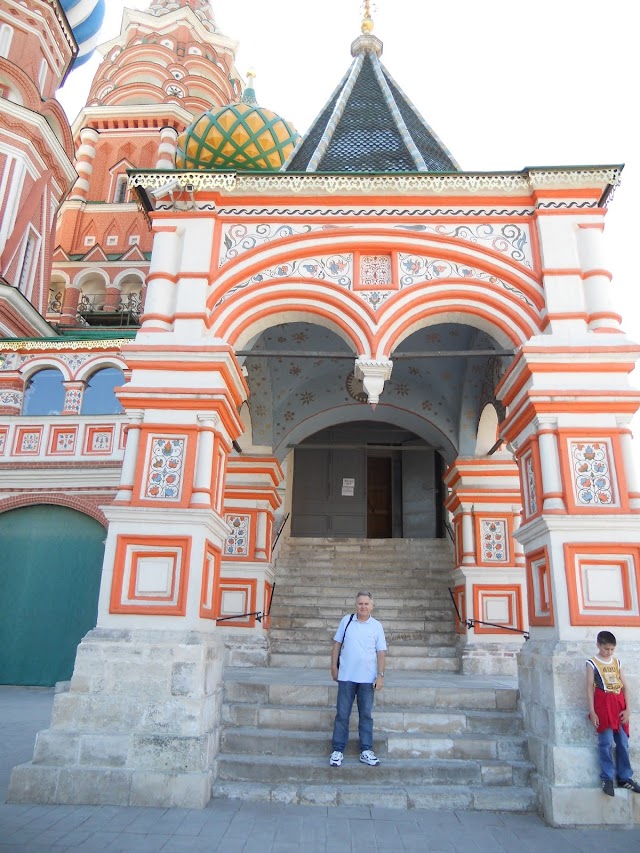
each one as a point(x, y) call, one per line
point(622, 768)
point(347, 692)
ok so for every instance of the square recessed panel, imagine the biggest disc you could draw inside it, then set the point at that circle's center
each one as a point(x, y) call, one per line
point(497, 604)
point(497, 610)
point(210, 576)
point(233, 601)
point(236, 597)
point(539, 592)
point(154, 575)
point(602, 584)
point(151, 575)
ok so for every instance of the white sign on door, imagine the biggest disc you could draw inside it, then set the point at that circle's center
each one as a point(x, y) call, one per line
point(348, 487)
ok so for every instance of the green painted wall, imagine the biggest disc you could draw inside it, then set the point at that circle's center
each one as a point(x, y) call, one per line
point(50, 566)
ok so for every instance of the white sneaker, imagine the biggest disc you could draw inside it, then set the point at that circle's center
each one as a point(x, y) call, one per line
point(368, 756)
point(336, 758)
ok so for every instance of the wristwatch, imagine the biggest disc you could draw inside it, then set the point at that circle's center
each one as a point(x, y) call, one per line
point(380, 674)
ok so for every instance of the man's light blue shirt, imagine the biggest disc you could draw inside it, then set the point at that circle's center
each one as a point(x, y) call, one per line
point(362, 642)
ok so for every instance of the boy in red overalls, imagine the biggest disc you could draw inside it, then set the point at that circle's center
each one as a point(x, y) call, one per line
point(609, 712)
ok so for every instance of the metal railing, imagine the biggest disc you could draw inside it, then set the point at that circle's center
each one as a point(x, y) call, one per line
point(92, 307)
point(259, 614)
point(471, 623)
point(275, 541)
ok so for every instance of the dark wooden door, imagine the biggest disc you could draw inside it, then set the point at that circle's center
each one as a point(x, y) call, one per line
point(379, 498)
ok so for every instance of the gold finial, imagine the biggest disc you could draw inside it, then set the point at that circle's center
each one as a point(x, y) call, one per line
point(367, 21)
point(251, 74)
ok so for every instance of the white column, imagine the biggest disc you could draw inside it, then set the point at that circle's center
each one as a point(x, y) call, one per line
point(201, 494)
point(518, 550)
point(631, 464)
point(127, 473)
point(167, 149)
point(160, 300)
point(468, 538)
point(261, 536)
point(597, 279)
point(85, 155)
point(550, 464)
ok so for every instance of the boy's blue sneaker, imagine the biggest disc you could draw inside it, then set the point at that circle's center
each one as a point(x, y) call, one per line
point(607, 787)
point(630, 785)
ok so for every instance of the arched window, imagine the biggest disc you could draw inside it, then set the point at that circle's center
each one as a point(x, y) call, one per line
point(98, 398)
point(44, 394)
point(487, 430)
point(6, 35)
point(120, 194)
point(42, 76)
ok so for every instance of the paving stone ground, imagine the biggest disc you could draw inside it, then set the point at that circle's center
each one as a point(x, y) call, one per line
point(234, 826)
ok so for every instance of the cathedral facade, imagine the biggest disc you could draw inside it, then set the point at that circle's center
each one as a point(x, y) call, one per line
point(219, 334)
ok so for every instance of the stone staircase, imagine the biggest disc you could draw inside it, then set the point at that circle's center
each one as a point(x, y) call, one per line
point(316, 584)
point(443, 739)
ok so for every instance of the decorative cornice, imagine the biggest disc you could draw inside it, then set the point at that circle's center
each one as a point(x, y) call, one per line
point(386, 184)
point(38, 345)
point(42, 140)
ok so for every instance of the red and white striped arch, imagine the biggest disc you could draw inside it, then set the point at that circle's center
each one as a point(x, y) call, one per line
point(508, 303)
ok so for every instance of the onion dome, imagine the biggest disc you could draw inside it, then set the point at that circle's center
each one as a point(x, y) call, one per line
point(240, 137)
point(85, 18)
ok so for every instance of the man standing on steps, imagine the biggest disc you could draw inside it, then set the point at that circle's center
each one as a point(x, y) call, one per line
point(357, 664)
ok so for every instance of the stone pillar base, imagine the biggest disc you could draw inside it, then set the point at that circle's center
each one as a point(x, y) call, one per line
point(563, 743)
point(245, 649)
point(490, 658)
point(139, 726)
point(579, 806)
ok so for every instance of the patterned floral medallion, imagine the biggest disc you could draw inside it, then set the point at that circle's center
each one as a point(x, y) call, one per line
point(166, 469)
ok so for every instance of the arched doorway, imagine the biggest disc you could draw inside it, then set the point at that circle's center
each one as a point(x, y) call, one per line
point(49, 586)
point(367, 480)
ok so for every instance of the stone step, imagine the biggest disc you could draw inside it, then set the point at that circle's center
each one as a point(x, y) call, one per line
point(423, 664)
point(432, 797)
point(325, 635)
point(357, 573)
point(391, 719)
point(331, 623)
point(382, 612)
point(315, 688)
point(252, 741)
point(312, 646)
point(423, 596)
point(315, 769)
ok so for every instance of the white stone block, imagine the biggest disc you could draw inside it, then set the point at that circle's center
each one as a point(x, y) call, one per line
point(576, 766)
point(578, 806)
point(104, 750)
point(94, 786)
point(168, 754)
point(171, 790)
point(56, 748)
point(33, 784)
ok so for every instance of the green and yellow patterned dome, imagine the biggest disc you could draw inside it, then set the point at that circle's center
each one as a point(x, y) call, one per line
point(241, 136)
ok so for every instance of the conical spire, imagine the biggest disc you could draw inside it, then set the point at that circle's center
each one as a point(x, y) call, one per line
point(369, 124)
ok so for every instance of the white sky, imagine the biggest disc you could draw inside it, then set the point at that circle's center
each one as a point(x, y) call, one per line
point(504, 84)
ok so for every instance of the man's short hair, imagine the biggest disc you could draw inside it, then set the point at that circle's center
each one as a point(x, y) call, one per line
point(606, 637)
point(364, 592)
